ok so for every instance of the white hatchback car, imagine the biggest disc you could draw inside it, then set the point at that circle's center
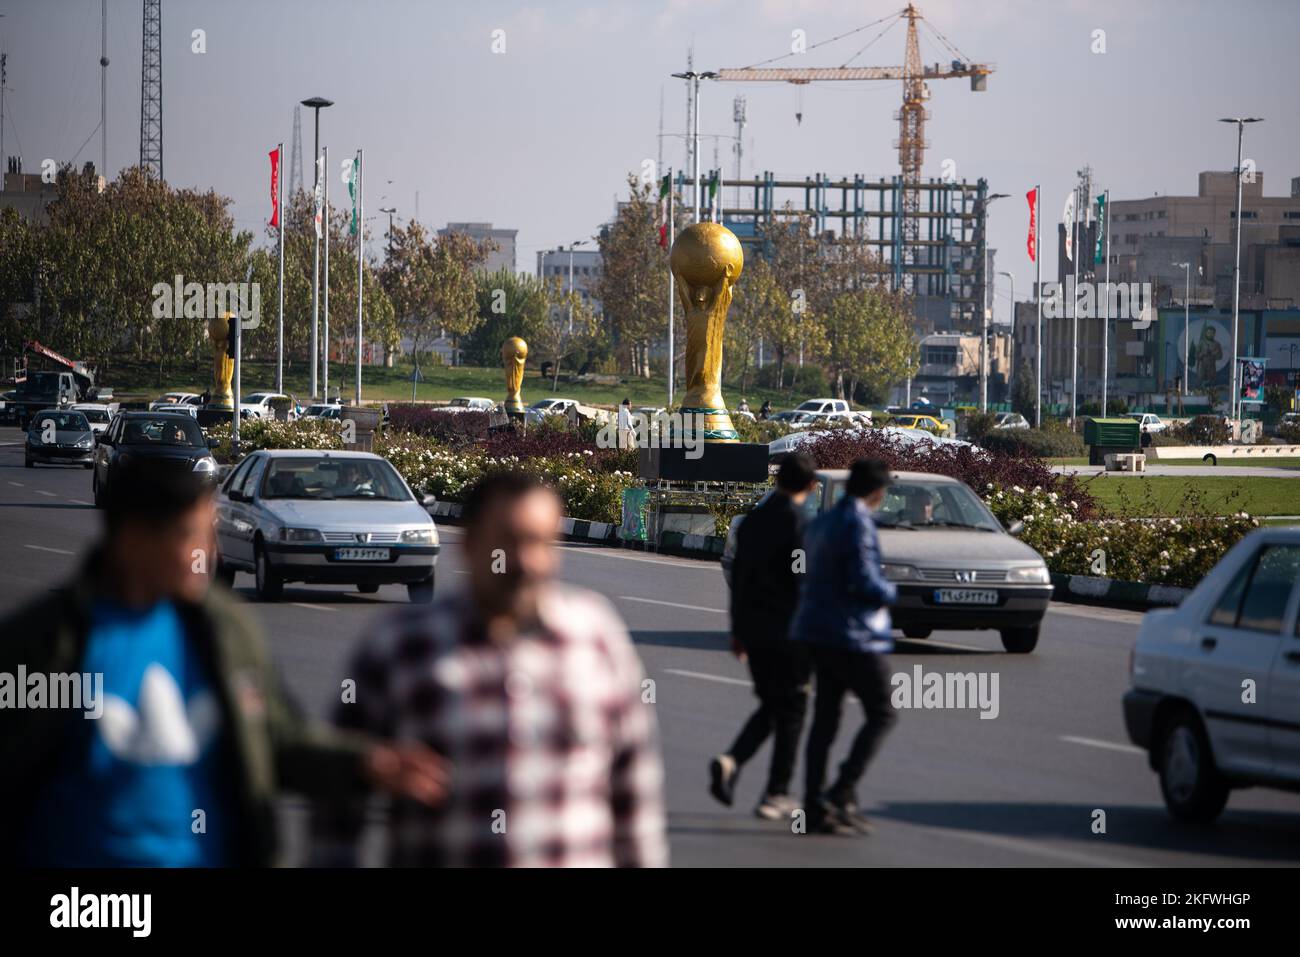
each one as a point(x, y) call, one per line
point(1216, 681)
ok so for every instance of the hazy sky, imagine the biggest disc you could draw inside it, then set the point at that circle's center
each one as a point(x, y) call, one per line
point(541, 138)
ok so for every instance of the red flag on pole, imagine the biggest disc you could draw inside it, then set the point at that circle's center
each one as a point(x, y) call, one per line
point(1032, 197)
point(275, 187)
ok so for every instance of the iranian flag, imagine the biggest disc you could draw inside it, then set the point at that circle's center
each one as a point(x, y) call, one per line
point(320, 194)
point(275, 187)
point(1032, 242)
point(665, 208)
point(1067, 217)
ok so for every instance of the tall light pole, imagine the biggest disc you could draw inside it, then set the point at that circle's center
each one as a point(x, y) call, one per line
point(390, 210)
point(316, 104)
point(984, 322)
point(694, 78)
point(1010, 359)
point(1241, 122)
point(572, 246)
point(1187, 291)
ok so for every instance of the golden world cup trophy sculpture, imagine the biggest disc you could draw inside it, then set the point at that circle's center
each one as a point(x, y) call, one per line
point(706, 261)
point(223, 363)
point(513, 353)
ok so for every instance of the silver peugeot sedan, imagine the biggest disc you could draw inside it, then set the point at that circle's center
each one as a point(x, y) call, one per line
point(955, 566)
point(324, 517)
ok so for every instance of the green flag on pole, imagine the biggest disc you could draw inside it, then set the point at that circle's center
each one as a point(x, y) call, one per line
point(1101, 227)
point(352, 192)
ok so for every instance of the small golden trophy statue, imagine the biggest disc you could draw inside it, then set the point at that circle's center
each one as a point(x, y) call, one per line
point(706, 261)
point(513, 353)
point(223, 364)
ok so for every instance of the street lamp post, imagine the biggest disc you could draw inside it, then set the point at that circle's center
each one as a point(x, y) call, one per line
point(984, 322)
point(390, 210)
point(316, 103)
point(1241, 122)
point(694, 79)
point(1187, 286)
point(1011, 366)
point(572, 246)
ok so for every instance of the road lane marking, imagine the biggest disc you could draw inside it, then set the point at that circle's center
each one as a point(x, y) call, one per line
point(672, 604)
point(703, 677)
point(303, 604)
point(1095, 611)
point(17, 484)
point(41, 491)
point(1105, 745)
point(46, 548)
point(598, 552)
point(1022, 846)
point(77, 501)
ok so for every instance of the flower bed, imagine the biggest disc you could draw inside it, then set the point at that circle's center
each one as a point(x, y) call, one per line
point(1168, 551)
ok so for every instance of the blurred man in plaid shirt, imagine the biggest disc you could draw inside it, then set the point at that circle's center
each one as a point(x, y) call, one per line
point(532, 693)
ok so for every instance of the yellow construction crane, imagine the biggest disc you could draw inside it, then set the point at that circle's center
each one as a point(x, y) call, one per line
point(913, 114)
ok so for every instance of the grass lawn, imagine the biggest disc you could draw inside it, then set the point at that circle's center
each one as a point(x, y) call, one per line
point(439, 383)
point(1168, 494)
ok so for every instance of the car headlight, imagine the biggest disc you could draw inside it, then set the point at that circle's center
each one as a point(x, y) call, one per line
point(301, 535)
point(418, 536)
point(205, 464)
point(85, 442)
point(896, 573)
point(1037, 574)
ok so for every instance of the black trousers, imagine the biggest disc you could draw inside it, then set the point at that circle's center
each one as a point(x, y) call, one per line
point(840, 671)
point(781, 671)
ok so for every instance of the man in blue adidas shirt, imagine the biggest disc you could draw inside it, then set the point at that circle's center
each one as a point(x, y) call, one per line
point(195, 739)
point(843, 616)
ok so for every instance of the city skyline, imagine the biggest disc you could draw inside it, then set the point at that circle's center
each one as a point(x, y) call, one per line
point(529, 140)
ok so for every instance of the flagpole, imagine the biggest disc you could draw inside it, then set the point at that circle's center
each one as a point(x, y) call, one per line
point(279, 206)
point(671, 236)
point(1105, 316)
point(325, 291)
point(1038, 296)
point(1074, 349)
point(361, 231)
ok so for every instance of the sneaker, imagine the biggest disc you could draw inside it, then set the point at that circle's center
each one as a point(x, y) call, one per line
point(824, 819)
point(850, 816)
point(722, 778)
point(776, 807)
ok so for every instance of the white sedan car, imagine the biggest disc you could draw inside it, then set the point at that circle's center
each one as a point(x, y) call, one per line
point(324, 517)
point(1215, 698)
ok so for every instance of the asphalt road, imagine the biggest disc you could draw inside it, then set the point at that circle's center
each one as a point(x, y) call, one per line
point(948, 787)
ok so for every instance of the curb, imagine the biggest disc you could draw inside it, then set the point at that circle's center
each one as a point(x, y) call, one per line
point(1088, 590)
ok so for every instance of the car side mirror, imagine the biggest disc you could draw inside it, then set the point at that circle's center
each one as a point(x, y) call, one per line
point(427, 499)
point(235, 495)
point(1016, 527)
point(213, 443)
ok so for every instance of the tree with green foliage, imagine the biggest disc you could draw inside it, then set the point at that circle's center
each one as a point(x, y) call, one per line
point(868, 340)
point(1024, 392)
point(509, 304)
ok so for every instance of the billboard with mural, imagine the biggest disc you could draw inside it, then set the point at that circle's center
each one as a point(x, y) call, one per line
point(1209, 353)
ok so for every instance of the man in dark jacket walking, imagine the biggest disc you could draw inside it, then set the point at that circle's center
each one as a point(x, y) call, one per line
point(765, 581)
point(843, 619)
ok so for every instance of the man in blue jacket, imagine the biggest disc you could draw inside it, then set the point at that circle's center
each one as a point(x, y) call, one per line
point(843, 616)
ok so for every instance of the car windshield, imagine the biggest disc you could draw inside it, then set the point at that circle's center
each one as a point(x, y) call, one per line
point(809, 406)
point(63, 422)
point(94, 415)
point(325, 478)
point(459, 403)
point(171, 430)
point(917, 503)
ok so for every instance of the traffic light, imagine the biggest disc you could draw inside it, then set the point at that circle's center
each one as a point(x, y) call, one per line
point(231, 334)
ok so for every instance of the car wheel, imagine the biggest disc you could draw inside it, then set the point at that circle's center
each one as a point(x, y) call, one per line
point(1194, 790)
point(98, 490)
point(269, 583)
point(1210, 459)
point(1020, 641)
point(421, 592)
point(367, 589)
point(917, 633)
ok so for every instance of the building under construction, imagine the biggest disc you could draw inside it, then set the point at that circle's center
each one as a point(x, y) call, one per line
point(943, 263)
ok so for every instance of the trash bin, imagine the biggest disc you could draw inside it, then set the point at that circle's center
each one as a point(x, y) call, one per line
point(364, 421)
